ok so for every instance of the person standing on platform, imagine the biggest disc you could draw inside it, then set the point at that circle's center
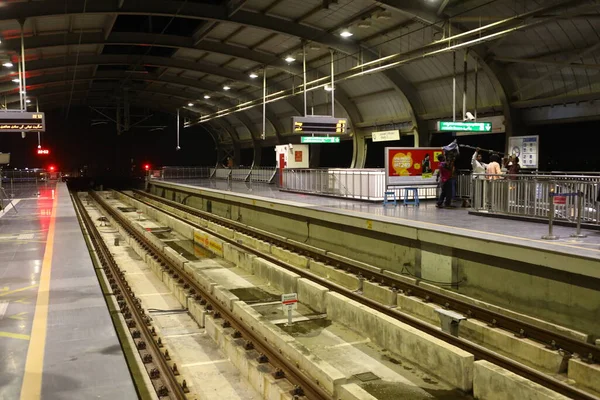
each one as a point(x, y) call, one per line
point(493, 170)
point(479, 169)
point(444, 176)
point(514, 168)
point(478, 165)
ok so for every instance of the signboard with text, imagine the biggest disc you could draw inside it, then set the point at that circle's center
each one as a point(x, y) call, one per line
point(385, 136)
point(466, 126)
point(289, 301)
point(526, 148)
point(319, 139)
point(43, 152)
point(411, 165)
point(15, 121)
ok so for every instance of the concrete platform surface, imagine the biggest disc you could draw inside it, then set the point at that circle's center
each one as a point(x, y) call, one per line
point(457, 219)
point(57, 340)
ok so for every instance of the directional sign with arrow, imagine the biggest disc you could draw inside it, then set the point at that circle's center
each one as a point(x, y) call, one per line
point(459, 126)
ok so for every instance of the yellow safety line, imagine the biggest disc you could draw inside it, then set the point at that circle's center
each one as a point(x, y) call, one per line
point(34, 367)
point(17, 290)
point(14, 335)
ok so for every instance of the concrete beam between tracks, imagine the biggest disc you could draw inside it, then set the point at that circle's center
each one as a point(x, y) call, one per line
point(447, 362)
point(491, 382)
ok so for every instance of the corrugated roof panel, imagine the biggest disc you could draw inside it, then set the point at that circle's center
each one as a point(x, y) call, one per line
point(293, 9)
point(242, 65)
point(55, 23)
point(190, 54)
point(337, 13)
point(279, 44)
point(243, 132)
point(366, 84)
point(248, 36)
point(217, 59)
point(222, 30)
point(88, 22)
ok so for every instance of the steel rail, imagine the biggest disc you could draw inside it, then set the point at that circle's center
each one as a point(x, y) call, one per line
point(161, 374)
point(522, 329)
point(305, 386)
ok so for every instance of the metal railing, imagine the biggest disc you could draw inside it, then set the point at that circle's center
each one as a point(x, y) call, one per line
point(360, 184)
point(256, 174)
point(531, 196)
point(263, 174)
point(181, 173)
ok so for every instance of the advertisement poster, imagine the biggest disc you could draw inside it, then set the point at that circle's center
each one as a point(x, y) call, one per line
point(526, 148)
point(411, 165)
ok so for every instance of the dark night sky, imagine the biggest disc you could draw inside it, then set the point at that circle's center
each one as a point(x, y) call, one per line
point(74, 143)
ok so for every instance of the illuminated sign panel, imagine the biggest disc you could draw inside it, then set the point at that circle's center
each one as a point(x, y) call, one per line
point(315, 124)
point(319, 139)
point(458, 126)
point(14, 121)
point(43, 152)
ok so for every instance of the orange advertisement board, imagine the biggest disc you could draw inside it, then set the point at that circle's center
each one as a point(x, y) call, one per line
point(410, 165)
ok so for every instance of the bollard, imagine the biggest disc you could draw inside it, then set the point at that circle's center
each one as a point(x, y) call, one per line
point(550, 235)
point(578, 233)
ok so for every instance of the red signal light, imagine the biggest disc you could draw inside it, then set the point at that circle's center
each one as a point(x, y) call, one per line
point(52, 168)
point(147, 167)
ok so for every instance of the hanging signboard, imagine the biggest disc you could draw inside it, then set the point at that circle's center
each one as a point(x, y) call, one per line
point(384, 136)
point(526, 148)
point(319, 139)
point(4, 158)
point(466, 126)
point(410, 165)
point(13, 121)
point(317, 124)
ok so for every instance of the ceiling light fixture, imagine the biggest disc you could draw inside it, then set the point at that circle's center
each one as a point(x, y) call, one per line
point(253, 75)
point(364, 24)
point(28, 101)
point(384, 15)
point(190, 104)
point(328, 88)
point(346, 33)
point(290, 59)
point(206, 96)
point(16, 80)
point(7, 64)
point(226, 87)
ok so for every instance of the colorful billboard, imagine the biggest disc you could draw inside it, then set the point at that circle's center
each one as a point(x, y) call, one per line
point(411, 165)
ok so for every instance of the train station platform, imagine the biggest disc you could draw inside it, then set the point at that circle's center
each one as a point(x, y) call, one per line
point(454, 219)
point(57, 339)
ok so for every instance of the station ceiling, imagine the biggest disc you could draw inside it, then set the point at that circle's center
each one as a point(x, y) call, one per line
point(530, 60)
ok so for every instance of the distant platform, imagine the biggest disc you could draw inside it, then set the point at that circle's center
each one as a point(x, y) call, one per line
point(57, 338)
point(517, 232)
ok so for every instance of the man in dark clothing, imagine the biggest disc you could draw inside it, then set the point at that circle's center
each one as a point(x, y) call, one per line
point(445, 177)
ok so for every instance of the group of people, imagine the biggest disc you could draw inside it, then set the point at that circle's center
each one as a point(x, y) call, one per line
point(493, 170)
point(496, 167)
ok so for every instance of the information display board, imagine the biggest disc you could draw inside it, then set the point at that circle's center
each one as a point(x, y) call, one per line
point(14, 121)
point(527, 149)
point(316, 124)
point(411, 165)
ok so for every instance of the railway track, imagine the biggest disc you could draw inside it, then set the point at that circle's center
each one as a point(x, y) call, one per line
point(304, 385)
point(552, 340)
point(138, 323)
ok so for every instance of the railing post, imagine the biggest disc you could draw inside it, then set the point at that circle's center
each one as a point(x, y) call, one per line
point(550, 235)
point(578, 233)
